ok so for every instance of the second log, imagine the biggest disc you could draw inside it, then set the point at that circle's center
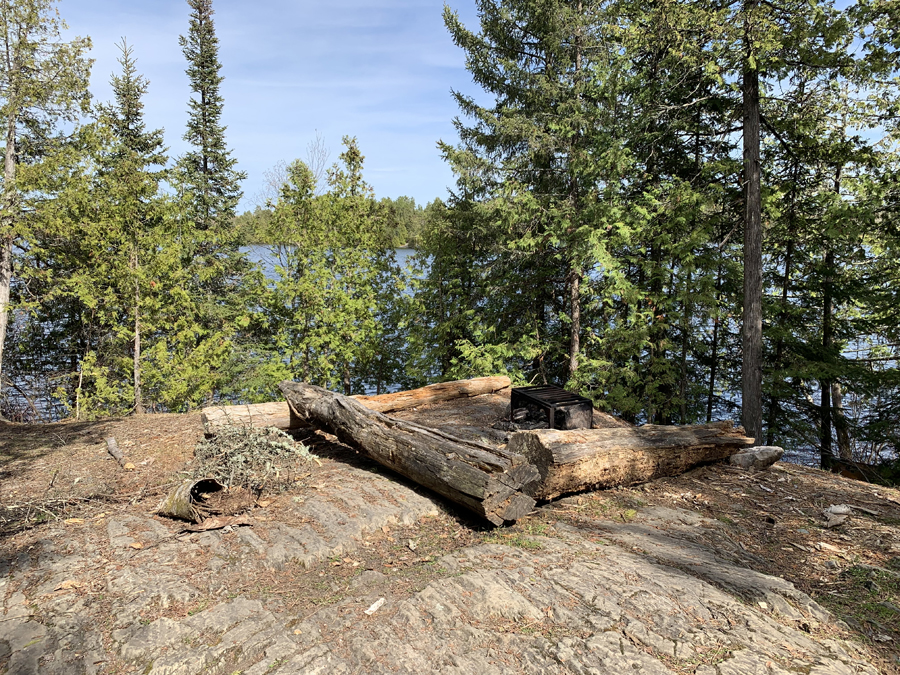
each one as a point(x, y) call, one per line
point(582, 459)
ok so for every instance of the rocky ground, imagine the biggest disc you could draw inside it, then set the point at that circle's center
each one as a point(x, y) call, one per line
point(355, 570)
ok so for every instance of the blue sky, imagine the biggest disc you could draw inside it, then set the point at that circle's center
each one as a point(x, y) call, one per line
point(379, 70)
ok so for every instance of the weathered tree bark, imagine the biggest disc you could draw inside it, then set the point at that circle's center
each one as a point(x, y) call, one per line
point(575, 327)
point(442, 391)
point(112, 447)
point(278, 414)
point(257, 415)
point(714, 350)
point(571, 461)
point(751, 330)
point(488, 481)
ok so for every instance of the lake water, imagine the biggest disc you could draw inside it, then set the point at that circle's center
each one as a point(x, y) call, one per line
point(267, 257)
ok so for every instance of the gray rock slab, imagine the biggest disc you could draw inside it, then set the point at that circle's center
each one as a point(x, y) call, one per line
point(758, 458)
point(657, 595)
point(503, 610)
point(151, 639)
point(660, 533)
point(335, 520)
point(220, 618)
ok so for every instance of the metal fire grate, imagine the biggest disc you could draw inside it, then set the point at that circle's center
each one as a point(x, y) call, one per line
point(564, 409)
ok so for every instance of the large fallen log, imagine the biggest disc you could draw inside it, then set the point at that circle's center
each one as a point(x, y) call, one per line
point(442, 391)
point(571, 461)
point(278, 414)
point(489, 481)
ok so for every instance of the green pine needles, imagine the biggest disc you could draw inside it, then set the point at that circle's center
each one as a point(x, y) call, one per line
point(206, 175)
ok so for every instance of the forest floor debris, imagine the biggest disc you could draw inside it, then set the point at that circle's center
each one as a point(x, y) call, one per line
point(92, 582)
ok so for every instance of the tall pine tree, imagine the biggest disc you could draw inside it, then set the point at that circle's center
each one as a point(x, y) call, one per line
point(207, 173)
point(536, 163)
point(206, 177)
point(104, 254)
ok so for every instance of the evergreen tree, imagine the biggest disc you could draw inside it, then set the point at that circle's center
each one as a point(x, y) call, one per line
point(330, 316)
point(538, 161)
point(43, 81)
point(769, 43)
point(208, 183)
point(207, 174)
point(106, 240)
point(133, 175)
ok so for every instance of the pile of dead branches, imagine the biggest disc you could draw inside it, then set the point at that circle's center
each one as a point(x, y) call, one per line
point(253, 459)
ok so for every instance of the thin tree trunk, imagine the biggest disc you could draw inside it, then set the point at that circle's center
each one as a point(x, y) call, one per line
point(658, 410)
point(575, 328)
point(825, 383)
point(687, 317)
point(715, 350)
point(7, 221)
point(825, 427)
point(751, 363)
point(574, 271)
point(779, 348)
point(845, 449)
point(138, 402)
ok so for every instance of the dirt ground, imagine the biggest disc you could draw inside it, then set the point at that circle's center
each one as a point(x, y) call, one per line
point(60, 475)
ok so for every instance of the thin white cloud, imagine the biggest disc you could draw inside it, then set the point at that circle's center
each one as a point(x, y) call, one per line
point(381, 71)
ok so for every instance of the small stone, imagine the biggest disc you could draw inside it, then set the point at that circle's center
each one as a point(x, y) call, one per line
point(831, 564)
point(802, 531)
point(757, 458)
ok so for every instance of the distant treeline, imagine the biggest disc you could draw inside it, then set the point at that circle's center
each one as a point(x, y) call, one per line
point(405, 222)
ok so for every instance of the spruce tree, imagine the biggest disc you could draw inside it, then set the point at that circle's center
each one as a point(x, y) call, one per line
point(538, 157)
point(131, 176)
point(207, 184)
point(207, 174)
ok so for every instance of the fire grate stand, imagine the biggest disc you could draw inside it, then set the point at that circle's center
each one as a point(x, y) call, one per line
point(564, 409)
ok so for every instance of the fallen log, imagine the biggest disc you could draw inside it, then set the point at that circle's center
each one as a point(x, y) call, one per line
point(257, 415)
point(442, 391)
point(278, 414)
point(571, 461)
point(489, 481)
